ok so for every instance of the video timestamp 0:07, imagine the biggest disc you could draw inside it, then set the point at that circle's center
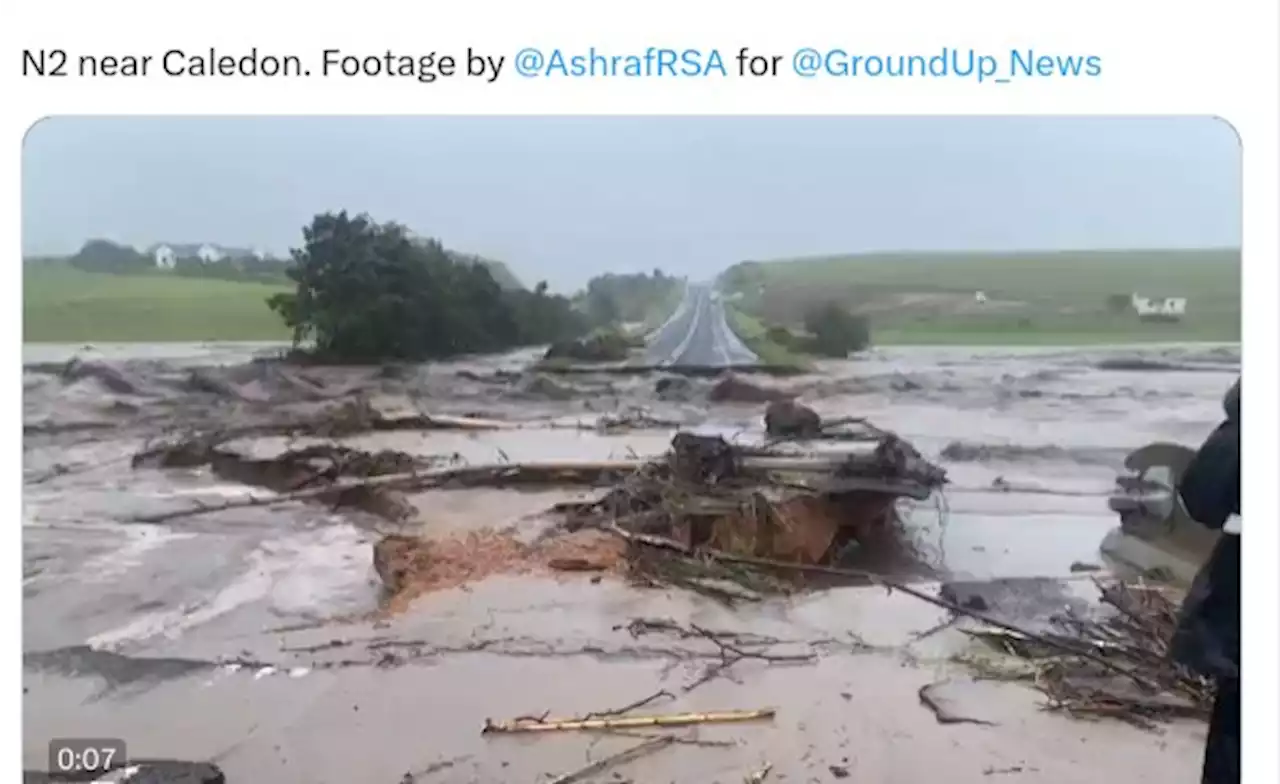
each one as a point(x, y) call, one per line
point(85, 759)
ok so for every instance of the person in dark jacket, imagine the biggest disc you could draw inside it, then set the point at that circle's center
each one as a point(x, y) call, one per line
point(1207, 639)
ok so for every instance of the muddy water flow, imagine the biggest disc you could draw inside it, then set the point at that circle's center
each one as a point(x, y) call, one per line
point(246, 636)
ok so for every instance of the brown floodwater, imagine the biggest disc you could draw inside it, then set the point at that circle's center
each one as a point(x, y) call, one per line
point(237, 636)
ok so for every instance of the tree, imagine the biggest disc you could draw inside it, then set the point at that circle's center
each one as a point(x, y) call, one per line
point(835, 331)
point(107, 256)
point(369, 292)
point(611, 298)
point(1118, 303)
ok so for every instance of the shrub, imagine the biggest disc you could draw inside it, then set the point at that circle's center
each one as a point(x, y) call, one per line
point(1118, 303)
point(836, 332)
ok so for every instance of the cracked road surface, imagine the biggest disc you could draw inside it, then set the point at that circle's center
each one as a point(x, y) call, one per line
point(698, 334)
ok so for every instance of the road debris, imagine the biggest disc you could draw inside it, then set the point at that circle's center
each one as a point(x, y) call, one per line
point(732, 648)
point(621, 757)
point(1116, 663)
point(725, 520)
point(627, 722)
point(789, 419)
point(938, 698)
point(712, 514)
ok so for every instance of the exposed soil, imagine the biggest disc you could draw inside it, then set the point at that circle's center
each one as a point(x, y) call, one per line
point(410, 566)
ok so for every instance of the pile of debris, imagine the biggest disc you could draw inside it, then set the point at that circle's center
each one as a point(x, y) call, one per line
point(730, 521)
point(1114, 663)
point(711, 514)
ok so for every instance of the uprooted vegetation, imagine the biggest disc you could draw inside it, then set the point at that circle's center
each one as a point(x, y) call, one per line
point(1111, 663)
point(707, 512)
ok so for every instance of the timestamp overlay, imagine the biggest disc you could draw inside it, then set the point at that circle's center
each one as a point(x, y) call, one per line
point(85, 759)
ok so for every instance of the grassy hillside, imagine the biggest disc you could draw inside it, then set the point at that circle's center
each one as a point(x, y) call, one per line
point(64, 304)
point(1034, 297)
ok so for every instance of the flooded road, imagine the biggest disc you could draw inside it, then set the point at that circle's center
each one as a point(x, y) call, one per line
point(250, 637)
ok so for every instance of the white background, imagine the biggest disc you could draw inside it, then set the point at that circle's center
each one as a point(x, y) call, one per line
point(1168, 57)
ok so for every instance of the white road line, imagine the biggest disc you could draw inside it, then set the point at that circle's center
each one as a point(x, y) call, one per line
point(688, 338)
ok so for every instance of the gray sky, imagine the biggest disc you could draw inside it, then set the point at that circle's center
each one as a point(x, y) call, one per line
point(566, 198)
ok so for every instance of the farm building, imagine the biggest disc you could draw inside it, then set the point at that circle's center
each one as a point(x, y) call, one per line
point(1159, 308)
point(166, 255)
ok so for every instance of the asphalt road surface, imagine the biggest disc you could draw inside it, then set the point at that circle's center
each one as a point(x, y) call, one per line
point(698, 334)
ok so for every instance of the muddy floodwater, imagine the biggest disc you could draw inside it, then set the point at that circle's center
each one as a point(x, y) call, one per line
point(253, 637)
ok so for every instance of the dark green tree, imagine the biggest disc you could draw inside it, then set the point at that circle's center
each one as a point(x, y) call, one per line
point(835, 331)
point(107, 256)
point(369, 292)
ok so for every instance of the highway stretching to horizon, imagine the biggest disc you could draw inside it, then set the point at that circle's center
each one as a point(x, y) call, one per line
point(698, 334)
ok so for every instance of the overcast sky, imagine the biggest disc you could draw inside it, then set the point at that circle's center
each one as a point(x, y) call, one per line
point(566, 198)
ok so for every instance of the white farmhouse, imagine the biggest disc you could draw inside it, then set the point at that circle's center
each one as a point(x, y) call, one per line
point(209, 254)
point(167, 254)
point(1164, 308)
point(164, 257)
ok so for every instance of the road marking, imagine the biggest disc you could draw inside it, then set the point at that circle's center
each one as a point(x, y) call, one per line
point(693, 330)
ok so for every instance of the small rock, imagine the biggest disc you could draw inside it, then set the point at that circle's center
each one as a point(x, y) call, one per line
point(1081, 566)
point(839, 771)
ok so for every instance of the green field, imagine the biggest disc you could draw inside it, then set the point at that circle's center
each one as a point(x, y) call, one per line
point(1031, 298)
point(61, 304)
point(751, 331)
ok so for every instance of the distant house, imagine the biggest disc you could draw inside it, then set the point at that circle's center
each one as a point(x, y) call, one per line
point(1159, 308)
point(164, 256)
point(209, 254)
point(167, 254)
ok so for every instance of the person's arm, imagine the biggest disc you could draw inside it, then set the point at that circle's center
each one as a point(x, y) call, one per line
point(1210, 487)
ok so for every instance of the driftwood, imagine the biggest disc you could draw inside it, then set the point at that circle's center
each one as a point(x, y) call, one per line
point(499, 475)
point(1136, 631)
point(628, 722)
point(733, 648)
point(595, 473)
point(1064, 645)
point(625, 755)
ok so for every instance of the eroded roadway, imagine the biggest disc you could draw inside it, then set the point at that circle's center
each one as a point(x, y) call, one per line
point(698, 334)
